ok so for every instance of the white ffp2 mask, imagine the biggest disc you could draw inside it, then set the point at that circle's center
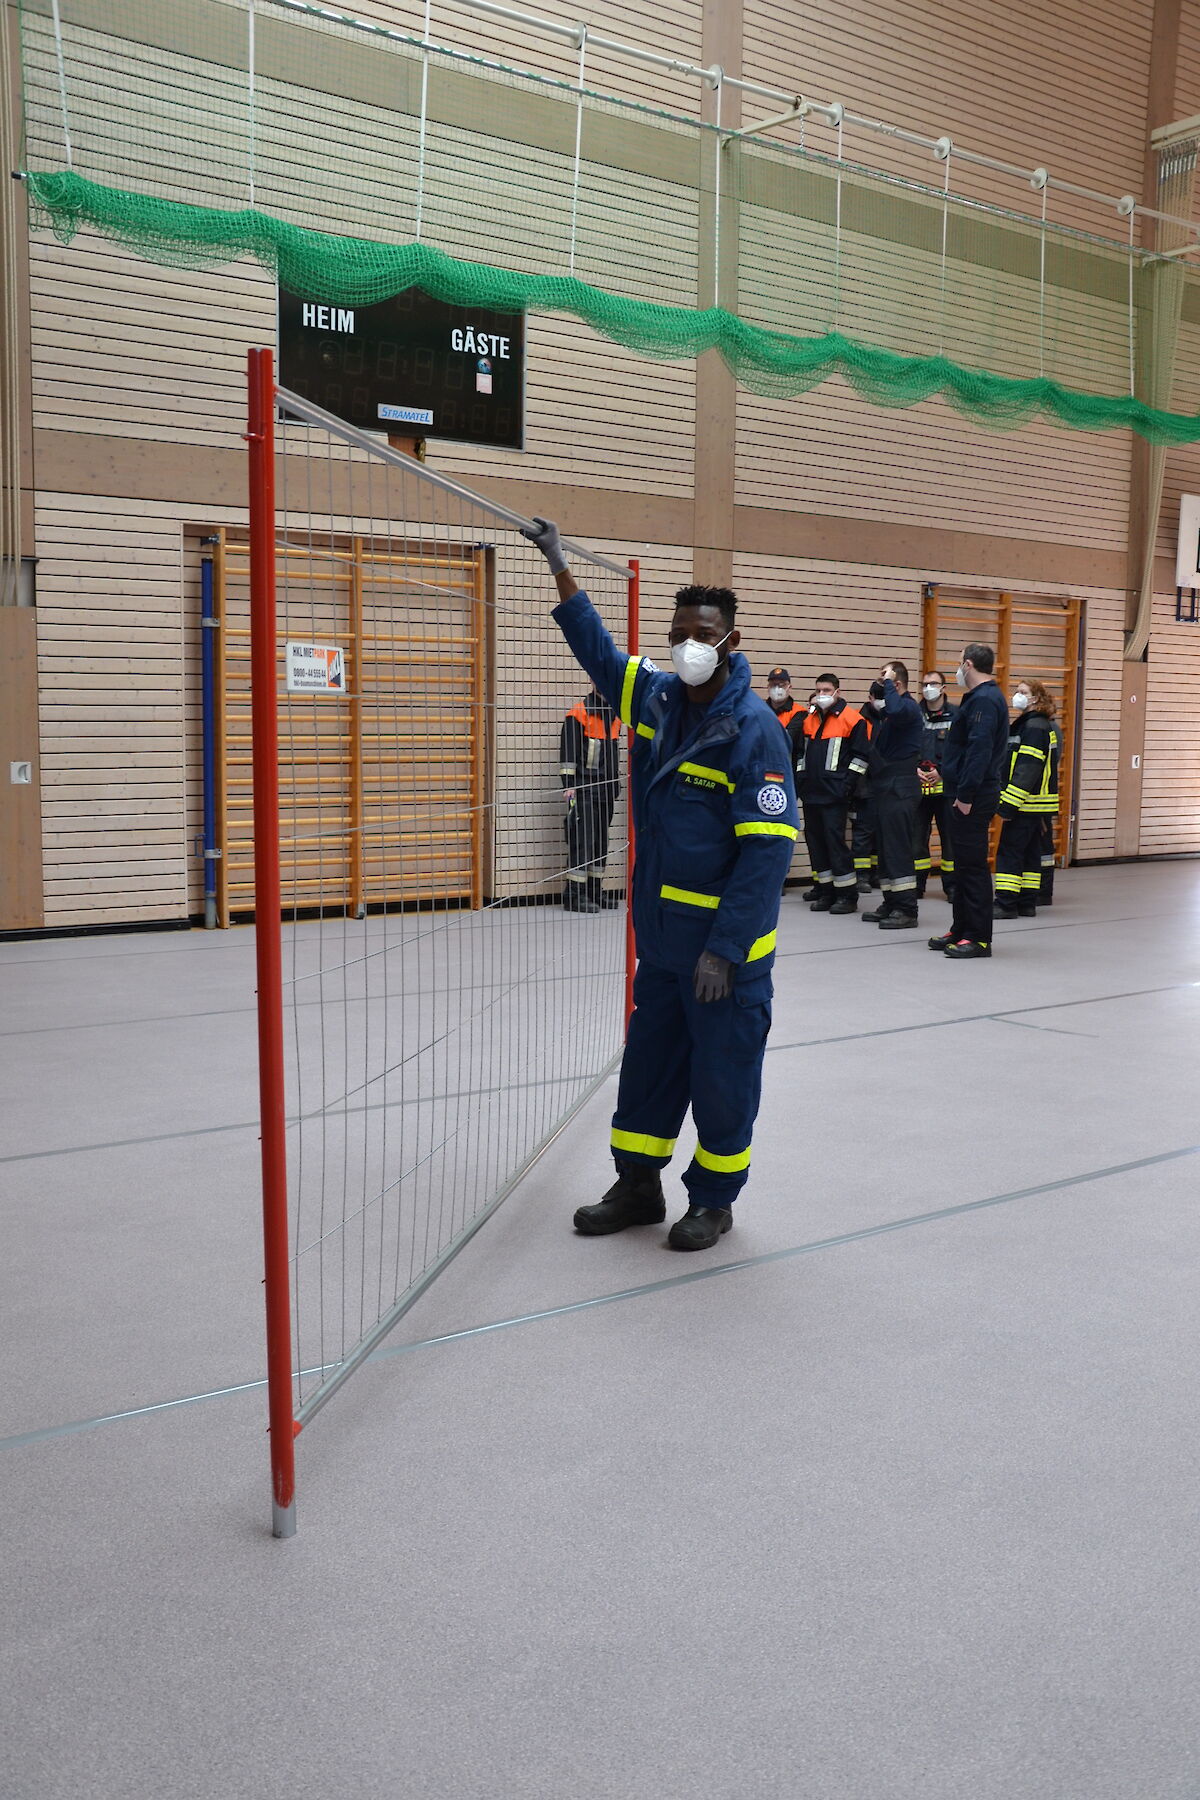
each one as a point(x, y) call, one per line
point(931, 692)
point(696, 663)
point(777, 693)
point(823, 700)
point(1019, 702)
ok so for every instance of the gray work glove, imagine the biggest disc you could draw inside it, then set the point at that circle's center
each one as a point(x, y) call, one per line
point(548, 542)
point(713, 979)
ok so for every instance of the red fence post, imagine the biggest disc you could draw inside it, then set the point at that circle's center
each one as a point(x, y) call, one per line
point(264, 703)
point(633, 628)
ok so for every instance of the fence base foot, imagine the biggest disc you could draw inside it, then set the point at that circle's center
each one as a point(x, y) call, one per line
point(283, 1520)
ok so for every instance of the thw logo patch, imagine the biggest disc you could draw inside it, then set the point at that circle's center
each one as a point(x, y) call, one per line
point(772, 801)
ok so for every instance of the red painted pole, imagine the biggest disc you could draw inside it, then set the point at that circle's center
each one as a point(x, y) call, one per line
point(264, 704)
point(632, 630)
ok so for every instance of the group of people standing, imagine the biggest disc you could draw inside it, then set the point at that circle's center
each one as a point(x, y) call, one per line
point(873, 781)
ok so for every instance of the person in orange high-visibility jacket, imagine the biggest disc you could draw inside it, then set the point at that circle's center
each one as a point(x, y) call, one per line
point(715, 816)
point(588, 763)
point(781, 700)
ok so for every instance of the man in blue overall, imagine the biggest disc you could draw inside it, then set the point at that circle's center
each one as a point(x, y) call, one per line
point(715, 813)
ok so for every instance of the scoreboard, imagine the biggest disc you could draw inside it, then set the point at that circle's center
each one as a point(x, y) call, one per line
point(410, 364)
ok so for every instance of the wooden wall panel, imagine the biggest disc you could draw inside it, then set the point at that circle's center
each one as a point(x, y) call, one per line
point(1187, 66)
point(126, 348)
point(675, 31)
point(1064, 85)
point(829, 451)
point(1171, 773)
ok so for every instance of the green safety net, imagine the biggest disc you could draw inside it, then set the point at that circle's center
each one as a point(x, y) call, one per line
point(356, 272)
point(356, 163)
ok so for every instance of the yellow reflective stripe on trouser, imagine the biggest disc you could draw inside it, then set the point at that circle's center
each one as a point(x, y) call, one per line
point(626, 707)
point(643, 1145)
point(752, 828)
point(762, 946)
point(687, 898)
point(706, 774)
point(722, 1165)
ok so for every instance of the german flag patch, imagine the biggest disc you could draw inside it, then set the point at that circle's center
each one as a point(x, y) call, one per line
point(768, 776)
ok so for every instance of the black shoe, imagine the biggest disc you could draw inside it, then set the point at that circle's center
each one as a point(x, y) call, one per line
point(700, 1227)
point(823, 902)
point(898, 921)
point(876, 881)
point(878, 914)
point(921, 891)
point(1027, 912)
point(1003, 912)
point(864, 884)
point(948, 892)
point(576, 899)
point(810, 894)
point(846, 903)
point(942, 943)
point(965, 949)
point(635, 1198)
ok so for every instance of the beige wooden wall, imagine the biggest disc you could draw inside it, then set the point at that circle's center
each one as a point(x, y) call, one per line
point(830, 514)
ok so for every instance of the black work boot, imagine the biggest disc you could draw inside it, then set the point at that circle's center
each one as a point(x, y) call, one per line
point(635, 1198)
point(577, 899)
point(878, 914)
point(823, 901)
point(846, 902)
point(700, 1227)
point(810, 894)
point(864, 884)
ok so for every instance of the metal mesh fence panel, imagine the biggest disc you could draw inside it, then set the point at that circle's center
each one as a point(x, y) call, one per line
point(452, 965)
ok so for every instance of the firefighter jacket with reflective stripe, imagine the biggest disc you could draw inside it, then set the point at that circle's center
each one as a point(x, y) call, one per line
point(830, 749)
point(976, 752)
point(933, 746)
point(589, 745)
point(714, 807)
point(1035, 743)
point(795, 709)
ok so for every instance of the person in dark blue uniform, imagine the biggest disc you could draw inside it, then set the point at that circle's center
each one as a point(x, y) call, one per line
point(973, 769)
point(895, 748)
point(938, 715)
point(714, 810)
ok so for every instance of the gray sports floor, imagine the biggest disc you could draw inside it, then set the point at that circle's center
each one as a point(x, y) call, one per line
point(895, 1495)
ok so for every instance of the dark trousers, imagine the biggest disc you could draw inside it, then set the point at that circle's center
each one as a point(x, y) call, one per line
point(894, 802)
point(678, 1053)
point(589, 816)
point(972, 877)
point(862, 840)
point(825, 835)
point(1019, 861)
point(931, 811)
point(1046, 891)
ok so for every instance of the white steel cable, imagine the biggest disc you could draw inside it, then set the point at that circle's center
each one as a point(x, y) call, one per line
point(423, 127)
point(578, 149)
point(62, 81)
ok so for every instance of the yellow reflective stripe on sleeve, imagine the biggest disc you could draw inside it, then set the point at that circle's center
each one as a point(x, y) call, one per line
point(717, 775)
point(762, 946)
point(643, 1145)
point(646, 731)
point(1032, 750)
point(722, 1165)
point(752, 828)
point(626, 707)
point(687, 898)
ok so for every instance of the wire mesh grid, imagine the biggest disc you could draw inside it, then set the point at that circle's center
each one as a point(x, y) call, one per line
point(444, 1011)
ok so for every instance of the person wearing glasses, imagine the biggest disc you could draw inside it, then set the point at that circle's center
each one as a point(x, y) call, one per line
point(715, 815)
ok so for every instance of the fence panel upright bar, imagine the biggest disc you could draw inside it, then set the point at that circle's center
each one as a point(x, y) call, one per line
point(264, 682)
